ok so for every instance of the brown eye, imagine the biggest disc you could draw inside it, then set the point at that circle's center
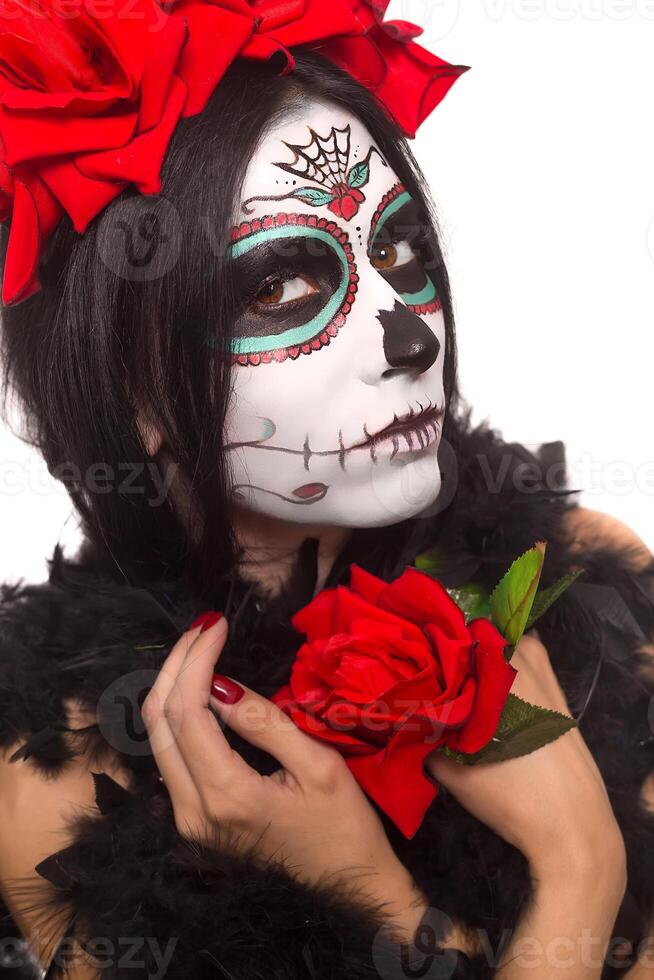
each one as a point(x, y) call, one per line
point(271, 293)
point(392, 256)
point(385, 257)
point(283, 292)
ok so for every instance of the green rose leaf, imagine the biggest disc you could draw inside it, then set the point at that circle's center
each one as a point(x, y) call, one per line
point(512, 599)
point(358, 175)
point(472, 600)
point(312, 195)
point(523, 728)
point(547, 597)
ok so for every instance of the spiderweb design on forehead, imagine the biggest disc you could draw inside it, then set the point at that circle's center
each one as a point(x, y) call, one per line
point(329, 162)
point(325, 161)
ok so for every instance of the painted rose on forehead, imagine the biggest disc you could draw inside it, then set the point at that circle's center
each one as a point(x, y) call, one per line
point(325, 161)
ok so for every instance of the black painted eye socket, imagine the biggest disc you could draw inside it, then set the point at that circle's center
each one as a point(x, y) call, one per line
point(286, 283)
point(399, 249)
point(295, 281)
point(400, 265)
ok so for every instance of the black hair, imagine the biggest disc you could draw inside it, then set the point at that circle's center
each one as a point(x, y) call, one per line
point(101, 338)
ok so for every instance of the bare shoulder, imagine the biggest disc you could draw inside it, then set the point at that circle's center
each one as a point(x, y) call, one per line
point(593, 528)
point(36, 812)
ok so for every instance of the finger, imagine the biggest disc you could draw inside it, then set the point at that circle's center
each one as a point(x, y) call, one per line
point(207, 754)
point(264, 724)
point(162, 737)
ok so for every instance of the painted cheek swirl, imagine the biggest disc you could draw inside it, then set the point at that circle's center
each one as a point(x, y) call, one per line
point(318, 331)
point(422, 297)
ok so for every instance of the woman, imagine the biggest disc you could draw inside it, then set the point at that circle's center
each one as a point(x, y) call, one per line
point(238, 419)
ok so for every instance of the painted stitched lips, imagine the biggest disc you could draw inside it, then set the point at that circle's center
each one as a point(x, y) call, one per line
point(389, 673)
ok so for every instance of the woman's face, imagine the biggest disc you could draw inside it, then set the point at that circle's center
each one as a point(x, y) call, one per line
point(338, 345)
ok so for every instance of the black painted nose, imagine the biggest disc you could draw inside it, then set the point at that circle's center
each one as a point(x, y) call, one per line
point(408, 341)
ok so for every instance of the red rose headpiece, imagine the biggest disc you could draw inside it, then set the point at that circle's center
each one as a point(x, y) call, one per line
point(90, 97)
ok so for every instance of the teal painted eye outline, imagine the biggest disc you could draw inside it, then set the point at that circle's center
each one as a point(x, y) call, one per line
point(317, 332)
point(425, 300)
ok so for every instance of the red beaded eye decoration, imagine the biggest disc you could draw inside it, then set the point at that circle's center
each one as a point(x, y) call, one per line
point(319, 331)
point(427, 299)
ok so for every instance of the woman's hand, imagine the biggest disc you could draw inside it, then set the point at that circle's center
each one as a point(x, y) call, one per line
point(310, 814)
point(551, 804)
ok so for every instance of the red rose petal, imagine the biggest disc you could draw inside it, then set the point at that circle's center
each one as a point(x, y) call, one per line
point(389, 640)
point(81, 196)
point(141, 161)
point(203, 63)
point(494, 680)
point(35, 210)
point(435, 720)
point(304, 679)
point(353, 667)
point(397, 784)
point(361, 679)
point(316, 619)
point(367, 585)
point(295, 23)
point(419, 598)
point(54, 139)
point(349, 606)
point(451, 654)
point(407, 78)
point(314, 726)
point(160, 63)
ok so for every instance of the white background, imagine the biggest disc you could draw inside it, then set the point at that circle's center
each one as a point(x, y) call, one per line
point(541, 160)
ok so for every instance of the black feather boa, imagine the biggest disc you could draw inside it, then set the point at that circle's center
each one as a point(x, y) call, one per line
point(205, 911)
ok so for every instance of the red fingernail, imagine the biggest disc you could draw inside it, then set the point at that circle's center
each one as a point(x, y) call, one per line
point(206, 619)
point(226, 690)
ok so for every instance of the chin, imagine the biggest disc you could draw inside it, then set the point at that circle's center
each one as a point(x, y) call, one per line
point(384, 494)
point(391, 495)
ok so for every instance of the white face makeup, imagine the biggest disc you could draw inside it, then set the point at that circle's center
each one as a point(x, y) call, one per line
point(337, 401)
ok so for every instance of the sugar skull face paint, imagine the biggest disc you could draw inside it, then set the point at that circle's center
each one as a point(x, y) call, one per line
point(338, 341)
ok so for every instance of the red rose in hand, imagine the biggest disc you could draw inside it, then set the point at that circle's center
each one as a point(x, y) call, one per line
point(390, 672)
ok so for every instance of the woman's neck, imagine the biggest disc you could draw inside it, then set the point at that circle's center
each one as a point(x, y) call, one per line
point(270, 547)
